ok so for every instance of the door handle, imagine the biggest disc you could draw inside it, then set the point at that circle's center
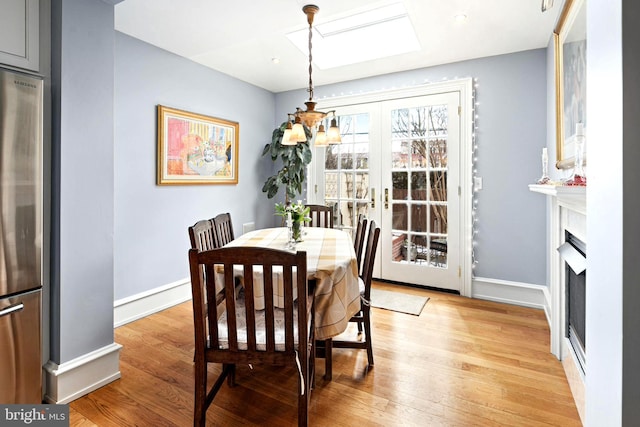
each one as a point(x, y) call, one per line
point(11, 309)
point(386, 198)
point(373, 198)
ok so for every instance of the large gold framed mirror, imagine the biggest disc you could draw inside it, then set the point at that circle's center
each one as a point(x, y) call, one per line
point(570, 43)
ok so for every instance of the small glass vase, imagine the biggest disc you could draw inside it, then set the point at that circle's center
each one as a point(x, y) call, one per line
point(296, 231)
point(290, 241)
point(579, 177)
point(544, 179)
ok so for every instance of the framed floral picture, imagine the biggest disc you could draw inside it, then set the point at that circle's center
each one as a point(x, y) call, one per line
point(196, 149)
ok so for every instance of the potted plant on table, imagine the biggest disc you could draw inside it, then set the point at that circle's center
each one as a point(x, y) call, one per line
point(295, 215)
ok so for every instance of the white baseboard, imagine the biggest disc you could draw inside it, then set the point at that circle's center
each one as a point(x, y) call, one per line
point(137, 306)
point(71, 380)
point(524, 294)
point(78, 377)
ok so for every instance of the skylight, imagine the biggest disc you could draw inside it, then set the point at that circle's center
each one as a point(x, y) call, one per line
point(378, 33)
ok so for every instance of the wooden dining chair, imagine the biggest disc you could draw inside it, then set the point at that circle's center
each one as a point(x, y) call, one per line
point(223, 228)
point(363, 317)
point(202, 235)
point(229, 331)
point(321, 216)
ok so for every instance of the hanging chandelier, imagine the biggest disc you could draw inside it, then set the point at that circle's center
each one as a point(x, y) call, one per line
point(310, 117)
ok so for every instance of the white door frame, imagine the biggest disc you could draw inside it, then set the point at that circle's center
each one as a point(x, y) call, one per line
point(465, 87)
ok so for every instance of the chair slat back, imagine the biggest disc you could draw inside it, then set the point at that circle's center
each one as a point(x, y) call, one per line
point(223, 228)
point(321, 216)
point(369, 258)
point(226, 302)
point(202, 235)
point(358, 243)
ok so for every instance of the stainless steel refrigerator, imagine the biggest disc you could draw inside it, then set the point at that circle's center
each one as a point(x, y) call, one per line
point(21, 114)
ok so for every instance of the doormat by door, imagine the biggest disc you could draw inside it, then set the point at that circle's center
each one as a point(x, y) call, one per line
point(397, 301)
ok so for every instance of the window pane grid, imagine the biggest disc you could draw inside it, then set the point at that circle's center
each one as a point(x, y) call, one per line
point(419, 191)
point(347, 182)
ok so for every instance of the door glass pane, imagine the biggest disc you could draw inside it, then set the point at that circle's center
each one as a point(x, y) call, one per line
point(330, 185)
point(347, 186)
point(351, 223)
point(419, 180)
point(361, 208)
point(331, 157)
point(438, 119)
point(438, 219)
point(398, 251)
point(419, 153)
point(437, 252)
point(418, 121)
point(345, 215)
point(399, 154)
point(346, 161)
point(419, 218)
point(361, 185)
point(400, 123)
point(361, 160)
point(438, 153)
point(419, 186)
point(438, 186)
point(400, 185)
point(400, 219)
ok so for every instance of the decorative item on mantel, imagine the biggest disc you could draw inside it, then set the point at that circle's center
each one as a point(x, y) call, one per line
point(544, 179)
point(579, 177)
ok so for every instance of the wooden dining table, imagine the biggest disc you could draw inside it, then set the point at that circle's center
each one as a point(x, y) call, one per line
point(331, 262)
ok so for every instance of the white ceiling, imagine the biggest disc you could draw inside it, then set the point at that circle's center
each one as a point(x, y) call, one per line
point(241, 37)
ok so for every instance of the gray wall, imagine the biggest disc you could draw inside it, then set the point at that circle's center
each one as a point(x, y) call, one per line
point(150, 235)
point(512, 113)
point(82, 178)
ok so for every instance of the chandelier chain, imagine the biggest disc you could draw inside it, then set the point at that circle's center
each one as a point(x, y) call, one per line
point(310, 117)
point(310, 90)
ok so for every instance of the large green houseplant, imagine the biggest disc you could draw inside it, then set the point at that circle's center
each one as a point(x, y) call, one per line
point(294, 160)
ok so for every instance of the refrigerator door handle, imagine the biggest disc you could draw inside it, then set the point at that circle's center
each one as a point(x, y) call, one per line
point(11, 309)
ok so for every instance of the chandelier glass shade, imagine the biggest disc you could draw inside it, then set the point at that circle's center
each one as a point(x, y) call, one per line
point(310, 117)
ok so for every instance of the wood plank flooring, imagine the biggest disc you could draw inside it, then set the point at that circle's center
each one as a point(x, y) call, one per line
point(462, 362)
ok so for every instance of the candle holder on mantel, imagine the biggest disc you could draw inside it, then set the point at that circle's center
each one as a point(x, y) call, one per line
point(579, 178)
point(544, 179)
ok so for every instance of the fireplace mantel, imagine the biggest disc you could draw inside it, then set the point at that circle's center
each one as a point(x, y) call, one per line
point(572, 197)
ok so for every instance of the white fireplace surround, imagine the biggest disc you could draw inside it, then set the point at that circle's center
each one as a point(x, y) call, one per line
point(567, 209)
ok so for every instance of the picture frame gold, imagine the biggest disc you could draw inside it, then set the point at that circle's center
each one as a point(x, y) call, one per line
point(570, 41)
point(196, 149)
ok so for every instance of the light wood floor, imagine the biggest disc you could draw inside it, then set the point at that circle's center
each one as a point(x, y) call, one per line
point(462, 362)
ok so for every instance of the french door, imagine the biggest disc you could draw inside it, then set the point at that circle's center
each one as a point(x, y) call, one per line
point(420, 212)
point(400, 164)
